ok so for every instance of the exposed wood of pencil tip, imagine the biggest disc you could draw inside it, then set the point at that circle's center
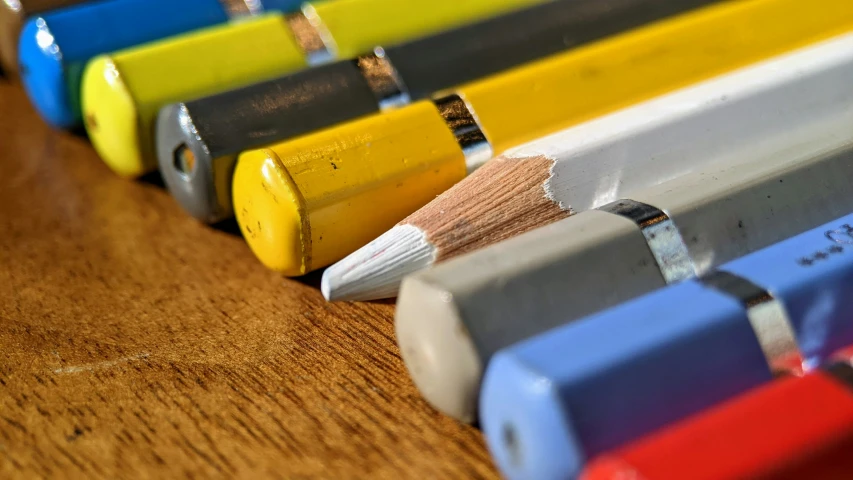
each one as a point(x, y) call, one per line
point(503, 199)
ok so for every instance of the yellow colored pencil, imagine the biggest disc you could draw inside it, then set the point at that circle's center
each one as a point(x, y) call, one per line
point(306, 203)
point(123, 92)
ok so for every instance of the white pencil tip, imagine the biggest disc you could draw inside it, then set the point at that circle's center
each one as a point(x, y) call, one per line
point(376, 270)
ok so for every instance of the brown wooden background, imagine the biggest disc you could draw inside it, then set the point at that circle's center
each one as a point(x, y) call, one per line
point(136, 342)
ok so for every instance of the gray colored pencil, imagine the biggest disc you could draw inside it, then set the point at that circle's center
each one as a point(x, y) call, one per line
point(451, 319)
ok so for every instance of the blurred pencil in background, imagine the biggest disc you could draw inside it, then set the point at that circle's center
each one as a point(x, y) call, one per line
point(596, 162)
point(556, 400)
point(306, 203)
point(55, 47)
point(124, 91)
point(12, 16)
point(198, 141)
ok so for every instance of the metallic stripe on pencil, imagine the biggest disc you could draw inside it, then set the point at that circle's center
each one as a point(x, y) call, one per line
point(459, 116)
point(383, 79)
point(310, 39)
point(241, 8)
point(767, 315)
point(662, 236)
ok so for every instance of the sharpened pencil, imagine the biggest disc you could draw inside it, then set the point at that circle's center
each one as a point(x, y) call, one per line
point(452, 318)
point(593, 164)
point(308, 202)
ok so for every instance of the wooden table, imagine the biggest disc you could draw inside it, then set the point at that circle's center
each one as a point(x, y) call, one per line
point(136, 342)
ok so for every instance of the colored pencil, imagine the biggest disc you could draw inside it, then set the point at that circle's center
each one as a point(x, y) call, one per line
point(124, 91)
point(210, 132)
point(790, 429)
point(596, 162)
point(550, 403)
point(55, 46)
point(12, 16)
point(306, 203)
point(452, 318)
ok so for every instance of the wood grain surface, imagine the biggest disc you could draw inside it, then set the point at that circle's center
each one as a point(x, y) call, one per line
point(136, 342)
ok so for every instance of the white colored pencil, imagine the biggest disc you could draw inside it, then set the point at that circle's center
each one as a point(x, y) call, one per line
point(753, 109)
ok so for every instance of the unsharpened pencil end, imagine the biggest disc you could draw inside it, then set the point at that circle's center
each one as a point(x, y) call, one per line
point(437, 349)
point(270, 212)
point(526, 429)
point(199, 184)
point(111, 117)
point(376, 270)
point(44, 74)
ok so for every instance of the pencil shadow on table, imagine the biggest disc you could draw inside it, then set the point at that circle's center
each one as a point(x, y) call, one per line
point(153, 178)
point(79, 131)
point(228, 226)
point(313, 280)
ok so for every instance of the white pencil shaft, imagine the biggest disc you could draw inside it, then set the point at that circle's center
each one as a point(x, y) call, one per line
point(754, 108)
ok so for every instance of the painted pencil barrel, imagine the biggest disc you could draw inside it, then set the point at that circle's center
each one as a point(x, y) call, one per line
point(790, 429)
point(753, 109)
point(564, 80)
point(123, 92)
point(298, 235)
point(215, 129)
point(700, 54)
point(599, 258)
point(543, 418)
point(201, 64)
point(198, 141)
point(352, 27)
point(470, 53)
point(13, 13)
point(679, 350)
point(55, 47)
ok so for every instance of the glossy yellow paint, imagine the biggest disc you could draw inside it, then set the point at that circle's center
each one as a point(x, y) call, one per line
point(272, 215)
point(110, 118)
point(356, 26)
point(123, 92)
point(590, 81)
point(387, 157)
point(306, 203)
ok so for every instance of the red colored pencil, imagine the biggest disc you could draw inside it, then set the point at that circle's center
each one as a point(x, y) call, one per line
point(791, 429)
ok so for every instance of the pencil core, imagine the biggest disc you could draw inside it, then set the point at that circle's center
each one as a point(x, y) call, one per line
point(184, 160)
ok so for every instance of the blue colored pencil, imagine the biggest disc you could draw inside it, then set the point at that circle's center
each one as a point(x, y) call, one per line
point(551, 402)
point(54, 47)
